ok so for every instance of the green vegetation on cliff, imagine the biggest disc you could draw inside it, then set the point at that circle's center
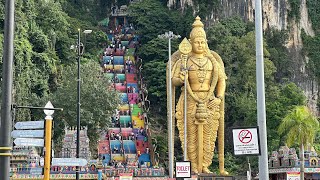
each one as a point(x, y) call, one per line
point(45, 65)
point(294, 12)
point(311, 44)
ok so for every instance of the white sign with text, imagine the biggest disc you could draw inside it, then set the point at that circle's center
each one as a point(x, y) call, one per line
point(183, 169)
point(246, 141)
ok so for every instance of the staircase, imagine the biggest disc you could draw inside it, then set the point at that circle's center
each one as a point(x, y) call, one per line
point(127, 144)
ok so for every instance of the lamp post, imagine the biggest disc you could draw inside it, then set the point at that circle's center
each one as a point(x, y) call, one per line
point(261, 106)
point(80, 49)
point(47, 158)
point(169, 35)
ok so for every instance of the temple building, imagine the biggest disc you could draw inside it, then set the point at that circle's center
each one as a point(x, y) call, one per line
point(285, 163)
point(69, 147)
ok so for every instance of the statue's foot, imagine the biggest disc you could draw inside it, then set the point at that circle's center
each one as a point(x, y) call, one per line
point(194, 168)
point(224, 173)
point(206, 170)
point(195, 171)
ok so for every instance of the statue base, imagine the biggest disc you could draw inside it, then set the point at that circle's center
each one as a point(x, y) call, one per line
point(207, 176)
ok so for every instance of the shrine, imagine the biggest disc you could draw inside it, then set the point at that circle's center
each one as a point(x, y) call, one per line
point(285, 163)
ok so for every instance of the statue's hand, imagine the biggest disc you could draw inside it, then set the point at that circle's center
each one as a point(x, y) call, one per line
point(182, 75)
point(217, 101)
point(214, 104)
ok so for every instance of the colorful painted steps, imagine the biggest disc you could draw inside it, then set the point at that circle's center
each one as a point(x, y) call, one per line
point(129, 57)
point(144, 159)
point(118, 52)
point(121, 87)
point(129, 147)
point(103, 147)
point(124, 97)
point(118, 60)
point(106, 159)
point(114, 130)
point(136, 110)
point(117, 78)
point(131, 78)
point(133, 98)
point(123, 107)
point(115, 144)
point(124, 121)
point(119, 69)
point(126, 83)
point(125, 43)
point(117, 157)
point(137, 122)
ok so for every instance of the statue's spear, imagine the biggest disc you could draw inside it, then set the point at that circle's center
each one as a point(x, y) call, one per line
point(185, 48)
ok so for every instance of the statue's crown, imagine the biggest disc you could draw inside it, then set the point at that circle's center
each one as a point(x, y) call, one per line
point(197, 29)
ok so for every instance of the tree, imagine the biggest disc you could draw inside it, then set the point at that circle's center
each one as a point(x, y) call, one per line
point(280, 100)
point(152, 18)
point(98, 101)
point(156, 82)
point(300, 126)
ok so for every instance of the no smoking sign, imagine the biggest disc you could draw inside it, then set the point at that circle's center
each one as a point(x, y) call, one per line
point(245, 136)
point(246, 141)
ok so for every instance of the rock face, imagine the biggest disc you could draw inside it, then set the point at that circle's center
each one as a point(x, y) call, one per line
point(275, 15)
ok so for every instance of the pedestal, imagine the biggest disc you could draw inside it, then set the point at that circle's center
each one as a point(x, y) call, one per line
point(203, 176)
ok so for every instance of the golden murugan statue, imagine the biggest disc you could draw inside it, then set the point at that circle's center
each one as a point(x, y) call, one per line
point(205, 78)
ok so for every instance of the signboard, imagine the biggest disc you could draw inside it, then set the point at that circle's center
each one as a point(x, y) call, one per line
point(293, 176)
point(246, 141)
point(29, 125)
point(183, 169)
point(36, 171)
point(285, 170)
point(29, 142)
point(125, 176)
point(27, 133)
point(68, 162)
point(41, 162)
point(55, 176)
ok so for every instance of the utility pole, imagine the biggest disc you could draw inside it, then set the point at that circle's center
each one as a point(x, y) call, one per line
point(7, 78)
point(261, 106)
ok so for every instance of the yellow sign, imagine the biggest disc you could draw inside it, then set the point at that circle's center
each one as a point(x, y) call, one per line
point(125, 176)
point(293, 175)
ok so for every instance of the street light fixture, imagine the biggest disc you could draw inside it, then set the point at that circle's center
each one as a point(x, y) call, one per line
point(87, 31)
point(169, 35)
point(48, 111)
point(80, 48)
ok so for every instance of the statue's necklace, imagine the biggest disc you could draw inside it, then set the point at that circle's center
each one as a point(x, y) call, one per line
point(202, 68)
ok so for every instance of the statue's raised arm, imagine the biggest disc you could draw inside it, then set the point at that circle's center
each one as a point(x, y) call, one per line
point(201, 72)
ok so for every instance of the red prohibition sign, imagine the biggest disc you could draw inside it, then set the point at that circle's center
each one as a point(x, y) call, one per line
point(245, 136)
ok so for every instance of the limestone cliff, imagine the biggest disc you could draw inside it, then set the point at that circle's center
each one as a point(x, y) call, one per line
point(275, 15)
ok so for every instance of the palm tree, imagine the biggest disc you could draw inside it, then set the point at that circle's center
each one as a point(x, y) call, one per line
point(300, 126)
